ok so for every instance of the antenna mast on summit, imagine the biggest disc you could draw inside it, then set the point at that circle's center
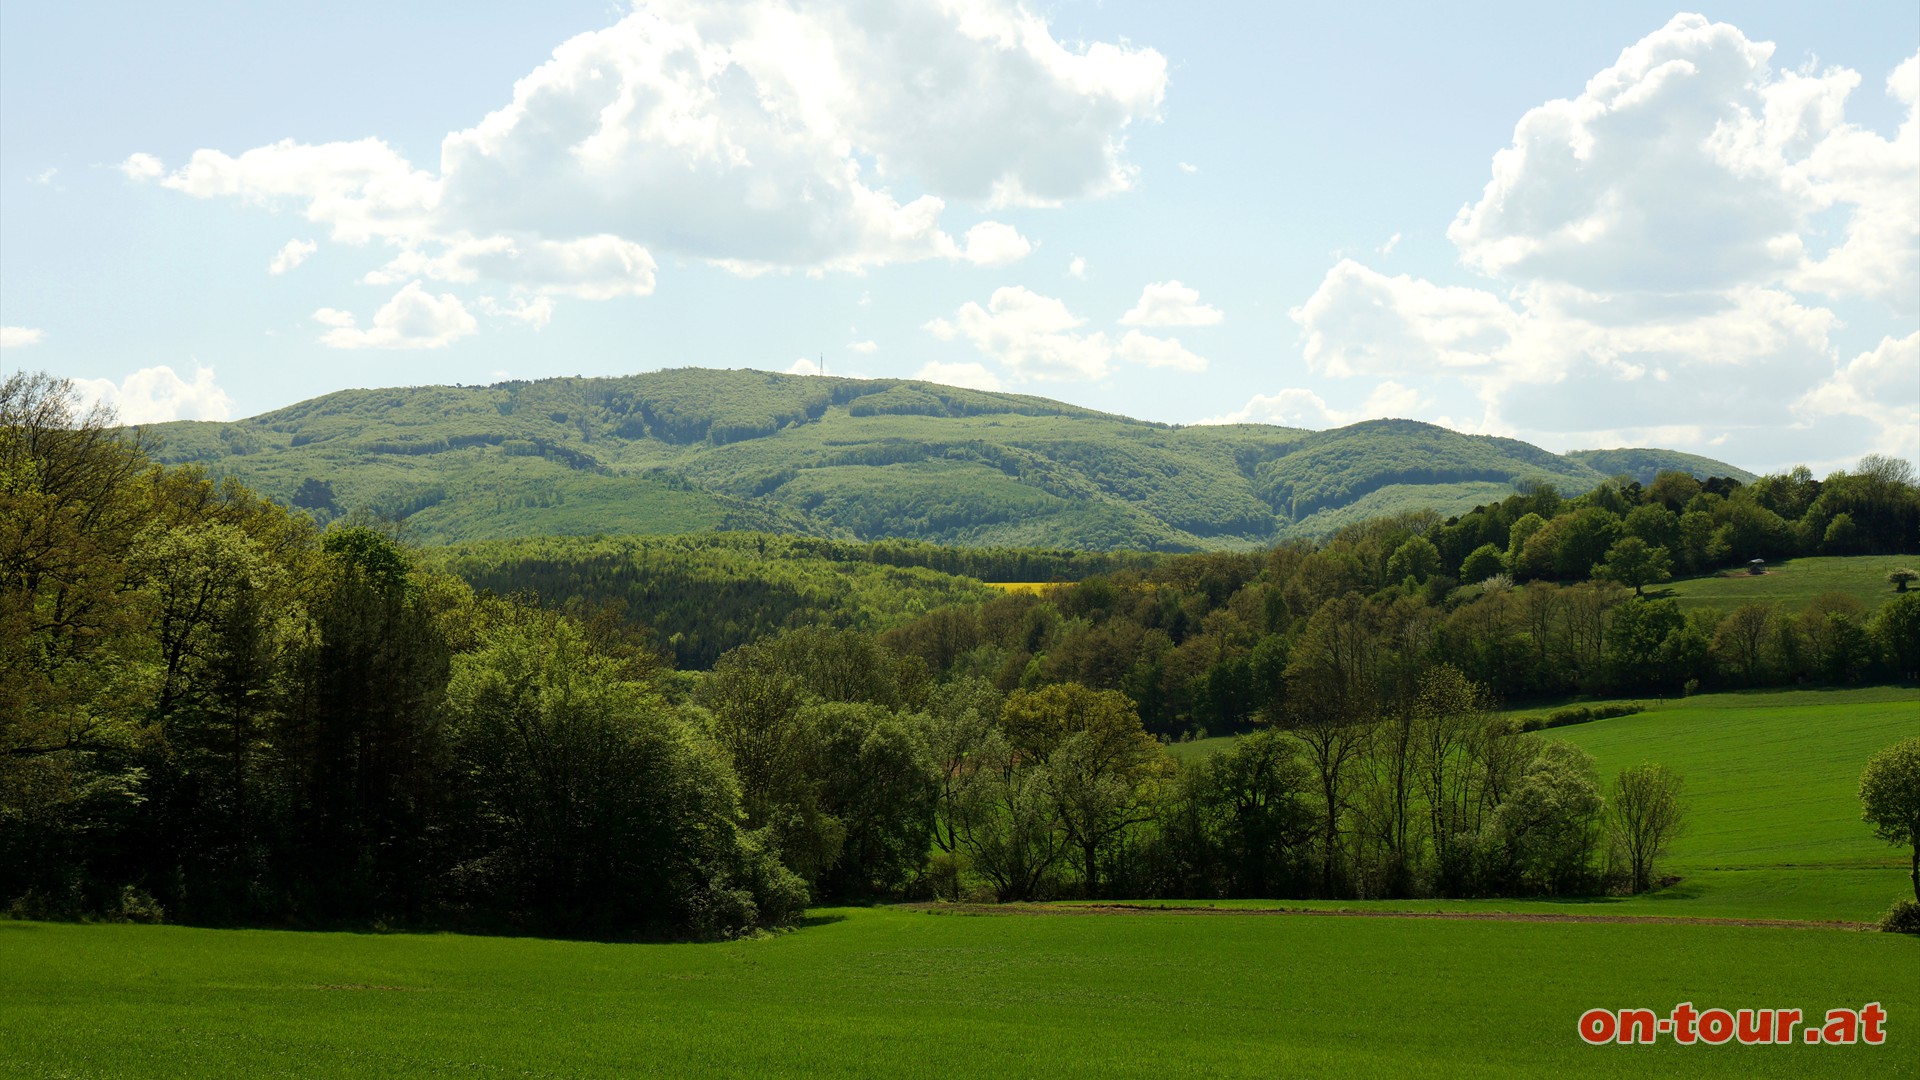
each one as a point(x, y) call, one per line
point(823, 364)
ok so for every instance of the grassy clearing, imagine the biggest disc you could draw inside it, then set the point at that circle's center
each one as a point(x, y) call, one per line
point(1201, 749)
point(1772, 782)
point(1023, 586)
point(1772, 778)
point(1790, 583)
point(901, 993)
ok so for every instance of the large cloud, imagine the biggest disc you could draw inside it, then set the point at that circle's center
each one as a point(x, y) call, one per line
point(1299, 407)
point(1037, 337)
point(413, 319)
point(1150, 351)
point(1360, 322)
point(973, 376)
point(289, 257)
point(1169, 303)
point(1875, 177)
point(156, 395)
point(1648, 251)
point(1691, 165)
point(1878, 385)
point(764, 134)
point(1034, 336)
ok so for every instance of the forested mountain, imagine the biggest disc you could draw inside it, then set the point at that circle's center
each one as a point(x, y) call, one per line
point(691, 450)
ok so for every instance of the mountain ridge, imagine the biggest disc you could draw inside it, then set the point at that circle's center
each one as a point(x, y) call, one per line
point(694, 449)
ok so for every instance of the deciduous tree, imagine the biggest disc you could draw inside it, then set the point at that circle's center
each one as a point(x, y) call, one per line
point(1890, 799)
point(1646, 813)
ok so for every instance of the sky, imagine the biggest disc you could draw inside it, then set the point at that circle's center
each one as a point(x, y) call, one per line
point(1581, 225)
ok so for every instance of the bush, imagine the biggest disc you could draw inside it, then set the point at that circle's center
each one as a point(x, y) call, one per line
point(137, 906)
point(943, 875)
point(1578, 714)
point(1902, 918)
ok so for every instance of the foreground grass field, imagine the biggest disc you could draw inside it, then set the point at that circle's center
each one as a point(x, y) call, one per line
point(897, 992)
point(905, 992)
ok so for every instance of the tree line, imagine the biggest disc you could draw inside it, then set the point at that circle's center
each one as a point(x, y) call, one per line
point(209, 708)
point(1533, 598)
point(216, 710)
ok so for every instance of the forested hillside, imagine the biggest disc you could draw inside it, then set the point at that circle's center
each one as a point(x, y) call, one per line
point(694, 450)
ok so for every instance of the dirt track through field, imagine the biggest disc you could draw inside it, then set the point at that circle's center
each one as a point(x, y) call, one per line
point(1482, 916)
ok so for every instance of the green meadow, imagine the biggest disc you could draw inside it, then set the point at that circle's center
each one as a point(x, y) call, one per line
point(1771, 782)
point(903, 992)
point(1790, 583)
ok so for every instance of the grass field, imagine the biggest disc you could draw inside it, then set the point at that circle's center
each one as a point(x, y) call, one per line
point(1790, 583)
point(1771, 779)
point(900, 991)
point(897, 992)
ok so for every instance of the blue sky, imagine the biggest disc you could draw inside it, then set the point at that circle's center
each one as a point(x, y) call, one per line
point(1584, 226)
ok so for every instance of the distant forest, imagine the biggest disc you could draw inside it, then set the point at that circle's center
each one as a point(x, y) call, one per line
point(692, 450)
point(216, 710)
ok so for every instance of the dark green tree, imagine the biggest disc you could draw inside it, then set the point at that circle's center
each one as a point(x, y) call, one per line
point(1890, 799)
point(1631, 562)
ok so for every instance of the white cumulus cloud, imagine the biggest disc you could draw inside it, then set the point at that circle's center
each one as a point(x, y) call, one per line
point(1034, 336)
point(1360, 322)
point(536, 311)
point(1150, 351)
point(992, 244)
point(1692, 165)
point(1881, 386)
point(1169, 303)
point(971, 376)
point(1646, 251)
point(142, 167)
point(19, 337)
point(413, 319)
point(811, 135)
point(156, 395)
point(1875, 179)
point(292, 255)
point(1302, 408)
point(589, 268)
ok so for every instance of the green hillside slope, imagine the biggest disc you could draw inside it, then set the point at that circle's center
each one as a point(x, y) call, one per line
point(1772, 785)
point(690, 450)
point(1793, 583)
point(1644, 464)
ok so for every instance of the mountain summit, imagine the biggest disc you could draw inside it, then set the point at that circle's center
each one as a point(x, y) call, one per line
point(693, 449)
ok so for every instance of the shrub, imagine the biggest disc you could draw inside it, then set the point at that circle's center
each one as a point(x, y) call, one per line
point(1902, 918)
point(137, 906)
point(1578, 714)
point(943, 875)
